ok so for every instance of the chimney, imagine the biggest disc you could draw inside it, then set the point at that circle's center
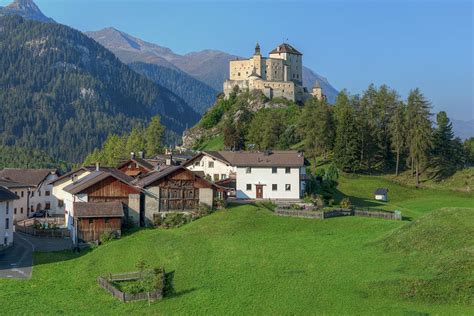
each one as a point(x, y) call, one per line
point(97, 166)
point(169, 160)
point(132, 155)
point(141, 154)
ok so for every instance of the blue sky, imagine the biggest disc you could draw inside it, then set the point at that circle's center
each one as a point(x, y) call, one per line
point(404, 44)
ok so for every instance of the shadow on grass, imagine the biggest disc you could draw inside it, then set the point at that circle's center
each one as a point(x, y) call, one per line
point(41, 258)
point(169, 291)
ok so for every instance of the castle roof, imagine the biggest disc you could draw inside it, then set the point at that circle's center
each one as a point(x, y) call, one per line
point(285, 48)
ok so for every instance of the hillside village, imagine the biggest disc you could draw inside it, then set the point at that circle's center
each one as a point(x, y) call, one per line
point(148, 182)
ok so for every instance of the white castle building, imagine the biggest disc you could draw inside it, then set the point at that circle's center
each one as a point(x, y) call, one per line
point(279, 75)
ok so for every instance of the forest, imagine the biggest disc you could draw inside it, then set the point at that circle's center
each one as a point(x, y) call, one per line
point(62, 93)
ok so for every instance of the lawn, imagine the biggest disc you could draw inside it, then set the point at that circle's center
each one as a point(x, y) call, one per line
point(216, 143)
point(245, 260)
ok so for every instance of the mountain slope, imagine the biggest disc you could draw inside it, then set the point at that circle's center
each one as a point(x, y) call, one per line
point(27, 9)
point(62, 92)
point(208, 66)
point(195, 93)
point(463, 129)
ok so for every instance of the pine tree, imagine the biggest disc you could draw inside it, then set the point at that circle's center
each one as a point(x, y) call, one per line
point(136, 140)
point(446, 157)
point(153, 136)
point(346, 146)
point(420, 130)
point(398, 132)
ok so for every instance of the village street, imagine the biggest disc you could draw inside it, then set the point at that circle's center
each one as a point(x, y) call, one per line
point(16, 261)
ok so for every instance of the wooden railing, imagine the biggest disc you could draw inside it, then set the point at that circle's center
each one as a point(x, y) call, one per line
point(27, 226)
point(338, 212)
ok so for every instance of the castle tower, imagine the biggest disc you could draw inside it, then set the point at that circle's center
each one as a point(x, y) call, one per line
point(257, 49)
point(293, 62)
point(317, 91)
point(257, 61)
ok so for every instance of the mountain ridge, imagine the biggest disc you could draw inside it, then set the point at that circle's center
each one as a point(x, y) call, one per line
point(26, 9)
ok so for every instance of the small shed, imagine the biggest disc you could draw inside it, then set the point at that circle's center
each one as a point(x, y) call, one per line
point(95, 218)
point(381, 194)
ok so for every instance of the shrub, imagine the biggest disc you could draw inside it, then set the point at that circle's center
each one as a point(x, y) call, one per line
point(219, 203)
point(106, 237)
point(346, 203)
point(297, 207)
point(173, 220)
point(204, 209)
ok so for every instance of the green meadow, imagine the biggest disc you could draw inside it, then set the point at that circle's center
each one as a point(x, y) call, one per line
point(245, 260)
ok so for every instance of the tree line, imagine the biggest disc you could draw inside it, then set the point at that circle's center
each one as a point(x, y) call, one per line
point(373, 132)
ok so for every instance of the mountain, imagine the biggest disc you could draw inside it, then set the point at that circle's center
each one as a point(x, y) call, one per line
point(27, 9)
point(195, 93)
point(463, 129)
point(62, 92)
point(208, 66)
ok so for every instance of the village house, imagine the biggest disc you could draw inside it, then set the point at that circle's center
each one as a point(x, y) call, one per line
point(258, 175)
point(6, 217)
point(175, 189)
point(40, 190)
point(103, 185)
point(138, 166)
point(21, 205)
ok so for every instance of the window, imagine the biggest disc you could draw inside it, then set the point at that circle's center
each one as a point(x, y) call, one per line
point(274, 187)
point(7, 223)
point(47, 193)
point(107, 220)
point(223, 176)
point(22, 193)
point(249, 187)
point(210, 164)
point(5, 241)
point(32, 193)
point(14, 211)
point(91, 221)
point(274, 169)
point(287, 187)
point(21, 210)
point(60, 203)
point(216, 177)
point(287, 170)
point(39, 193)
point(47, 206)
point(248, 170)
point(196, 163)
point(8, 207)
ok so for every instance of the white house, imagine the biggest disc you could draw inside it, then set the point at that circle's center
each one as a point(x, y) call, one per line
point(258, 175)
point(40, 194)
point(214, 165)
point(6, 216)
point(21, 209)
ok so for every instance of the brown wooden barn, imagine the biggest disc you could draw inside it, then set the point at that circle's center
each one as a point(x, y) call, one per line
point(109, 185)
point(137, 166)
point(93, 219)
point(176, 189)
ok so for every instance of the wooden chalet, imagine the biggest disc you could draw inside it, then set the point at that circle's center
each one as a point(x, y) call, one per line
point(93, 219)
point(136, 166)
point(108, 185)
point(176, 189)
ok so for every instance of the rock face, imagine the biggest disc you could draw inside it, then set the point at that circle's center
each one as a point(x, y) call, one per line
point(27, 9)
point(208, 66)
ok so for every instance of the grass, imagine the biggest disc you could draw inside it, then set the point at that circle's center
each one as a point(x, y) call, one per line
point(246, 260)
point(215, 143)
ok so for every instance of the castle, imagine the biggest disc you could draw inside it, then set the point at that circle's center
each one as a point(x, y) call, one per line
point(278, 75)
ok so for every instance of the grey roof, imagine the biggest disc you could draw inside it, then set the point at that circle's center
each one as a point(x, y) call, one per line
point(7, 195)
point(9, 184)
point(95, 177)
point(285, 48)
point(288, 158)
point(148, 164)
point(32, 177)
point(98, 209)
point(381, 191)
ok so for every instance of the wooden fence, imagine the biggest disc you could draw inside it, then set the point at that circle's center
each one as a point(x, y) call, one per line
point(338, 213)
point(27, 226)
point(107, 284)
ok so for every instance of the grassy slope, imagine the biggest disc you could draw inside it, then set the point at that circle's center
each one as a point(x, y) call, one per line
point(247, 260)
point(216, 143)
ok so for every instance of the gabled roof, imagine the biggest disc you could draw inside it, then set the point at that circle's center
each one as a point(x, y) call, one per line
point(95, 177)
point(285, 48)
point(72, 172)
point(288, 158)
point(9, 184)
point(148, 164)
point(154, 176)
point(98, 209)
point(381, 191)
point(32, 177)
point(7, 195)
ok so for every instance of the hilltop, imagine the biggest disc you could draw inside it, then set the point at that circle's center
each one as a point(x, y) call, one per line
point(26, 9)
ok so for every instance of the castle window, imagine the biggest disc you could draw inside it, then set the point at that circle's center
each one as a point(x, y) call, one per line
point(238, 74)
